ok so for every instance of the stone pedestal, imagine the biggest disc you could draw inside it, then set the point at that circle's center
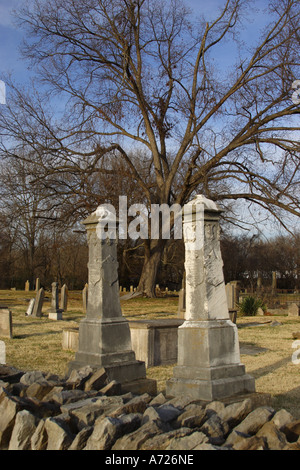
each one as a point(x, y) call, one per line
point(104, 334)
point(208, 365)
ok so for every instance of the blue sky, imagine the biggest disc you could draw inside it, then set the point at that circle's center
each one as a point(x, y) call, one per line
point(11, 36)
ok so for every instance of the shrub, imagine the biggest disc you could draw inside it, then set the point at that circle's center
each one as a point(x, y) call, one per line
point(250, 305)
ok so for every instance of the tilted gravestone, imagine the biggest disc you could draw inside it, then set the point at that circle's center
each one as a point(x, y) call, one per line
point(30, 307)
point(208, 365)
point(6, 323)
point(104, 334)
point(38, 304)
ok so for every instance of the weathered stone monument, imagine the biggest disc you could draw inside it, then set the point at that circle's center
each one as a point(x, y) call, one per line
point(64, 298)
point(208, 365)
point(2, 353)
point(55, 313)
point(6, 323)
point(38, 304)
point(104, 334)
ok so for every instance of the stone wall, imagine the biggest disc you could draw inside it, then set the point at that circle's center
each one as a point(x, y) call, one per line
point(39, 411)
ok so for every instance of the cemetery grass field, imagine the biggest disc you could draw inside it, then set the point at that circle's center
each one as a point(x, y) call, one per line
point(266, 343)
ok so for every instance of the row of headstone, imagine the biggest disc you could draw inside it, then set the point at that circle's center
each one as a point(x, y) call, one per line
point(131, 289)
point(37, 285)
point(55, 312)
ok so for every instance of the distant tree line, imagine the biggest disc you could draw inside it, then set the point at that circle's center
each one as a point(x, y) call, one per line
point(247, 258)
point(54, 252)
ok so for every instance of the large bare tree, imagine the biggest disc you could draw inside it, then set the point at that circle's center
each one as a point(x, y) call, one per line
point(123, 74)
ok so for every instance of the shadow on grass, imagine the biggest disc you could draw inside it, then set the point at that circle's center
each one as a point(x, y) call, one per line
point(262, 371)
point(290, 401)
point(250, 349)
point(35, 334)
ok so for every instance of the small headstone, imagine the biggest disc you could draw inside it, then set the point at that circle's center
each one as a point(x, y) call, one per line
point(38, 304)
point(30, 307)
point(64, 298)
point(5, 323)
point(293, 310)
point(27, 286)
point(2, 353)
point(229, 288)
point(37, 284)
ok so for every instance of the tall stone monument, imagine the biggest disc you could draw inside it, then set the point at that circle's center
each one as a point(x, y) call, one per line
point(208, 366)
point(104, 334)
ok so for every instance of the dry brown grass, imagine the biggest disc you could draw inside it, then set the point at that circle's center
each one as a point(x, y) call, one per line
point(37, 343)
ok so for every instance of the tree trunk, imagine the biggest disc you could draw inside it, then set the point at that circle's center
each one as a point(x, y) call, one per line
point(153, 253)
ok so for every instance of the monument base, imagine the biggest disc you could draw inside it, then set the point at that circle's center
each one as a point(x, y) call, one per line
point(108, 344)
point(210, 390)
point(131, 375)
point(55, 315)
point(209, 365)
